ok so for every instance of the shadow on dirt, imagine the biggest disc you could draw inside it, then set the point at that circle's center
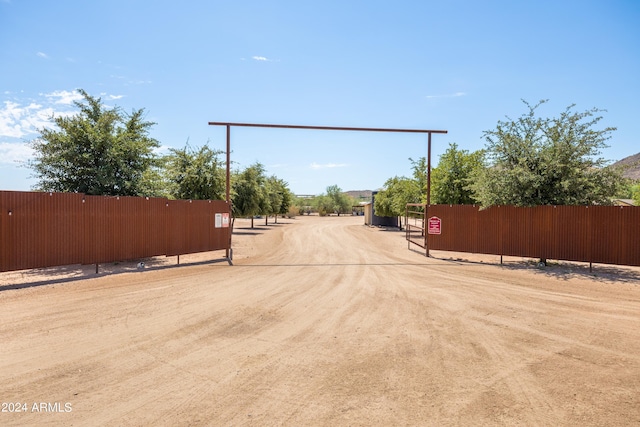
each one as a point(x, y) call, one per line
point(565, 270)
point(73, 273)
point(247, 233)
point(256, 230)
point(562, 270)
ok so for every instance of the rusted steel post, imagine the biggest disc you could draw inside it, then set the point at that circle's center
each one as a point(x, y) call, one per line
point(429, 170)
point(407, 231)
point(426, 208)
point(228, 188)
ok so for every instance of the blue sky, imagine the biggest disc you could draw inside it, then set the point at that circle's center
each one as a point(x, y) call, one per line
point(459, 66)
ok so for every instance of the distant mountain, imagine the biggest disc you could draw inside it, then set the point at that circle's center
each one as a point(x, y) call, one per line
point(631, 165)
point(360, 195)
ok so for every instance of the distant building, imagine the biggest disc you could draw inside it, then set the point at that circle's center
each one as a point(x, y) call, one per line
point(371, 219)
point(624, 202)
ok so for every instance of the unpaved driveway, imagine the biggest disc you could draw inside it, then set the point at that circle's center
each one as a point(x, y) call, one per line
point(323, 321)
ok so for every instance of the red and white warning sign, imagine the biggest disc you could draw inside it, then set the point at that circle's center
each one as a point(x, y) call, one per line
point(435, 225)
point(222, 220)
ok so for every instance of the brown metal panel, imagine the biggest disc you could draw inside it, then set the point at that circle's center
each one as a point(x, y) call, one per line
point(602, 234)
point(4, 231)
point(458, 228)
point(177, 227)
point(541, 232)
point(40, 229)
point(489, 230)
point(514, 230)
point(630, 241)
point(48, 229)
point(572, 233)
point(616, 235)
point(125, 228)
point(221, 237)
point(191, 226)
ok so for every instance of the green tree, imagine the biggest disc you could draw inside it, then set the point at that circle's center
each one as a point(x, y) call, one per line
point(540, 161)
point(451, 179)
point(420, 176)
point(280, 196)
point(195, 173)
point(98, 151)
point(287, 199)
point(398, 191)
point(635, 194)
point(339, 202)
point(323, 204)
point(274, 191)
point(303, 205)
point(153, 182)
point(248, 192)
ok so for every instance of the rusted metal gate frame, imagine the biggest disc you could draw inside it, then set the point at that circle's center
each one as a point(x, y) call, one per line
point(228, 126)
point(410, 228)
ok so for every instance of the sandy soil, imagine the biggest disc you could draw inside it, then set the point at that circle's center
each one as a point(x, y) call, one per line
point(321, 321)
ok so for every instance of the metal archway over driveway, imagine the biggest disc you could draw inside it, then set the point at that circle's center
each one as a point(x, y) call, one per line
point(228, 125)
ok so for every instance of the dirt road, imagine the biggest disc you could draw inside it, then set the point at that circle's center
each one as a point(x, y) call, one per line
point(323, 321)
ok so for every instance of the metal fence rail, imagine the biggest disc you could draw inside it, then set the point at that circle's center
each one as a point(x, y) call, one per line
point(50, 229)
point(415, 233)
point(594, 234)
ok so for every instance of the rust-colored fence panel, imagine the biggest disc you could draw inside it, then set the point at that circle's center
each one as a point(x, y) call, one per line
point(619, 224)
point(37, 230)
point(50, 229)
point(600, 234)
point(196, 232)
point(125, 228)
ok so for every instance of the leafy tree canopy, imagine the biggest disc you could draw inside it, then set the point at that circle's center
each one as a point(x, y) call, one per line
point(546, 161)
point(451, 179)
point(635, 194)
point(279, 195)
point(398, 191)
point(195, 173)
point(98, 151)
point(248, 196)
point(339, 202)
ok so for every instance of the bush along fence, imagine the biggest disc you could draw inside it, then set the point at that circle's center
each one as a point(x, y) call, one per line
point(594, 234)
point(52, 229)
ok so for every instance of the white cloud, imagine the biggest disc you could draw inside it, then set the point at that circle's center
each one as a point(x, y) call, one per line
point(65, 97)
point(20, 119)
point(162, 150)
point(10, 152)
point(327, 165)
point(42, 55)
point(261, 58)
point(17, 121)
point(450, 95)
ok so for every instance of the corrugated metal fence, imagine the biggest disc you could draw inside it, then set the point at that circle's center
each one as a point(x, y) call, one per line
point(598, 234)
point(50, 229)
